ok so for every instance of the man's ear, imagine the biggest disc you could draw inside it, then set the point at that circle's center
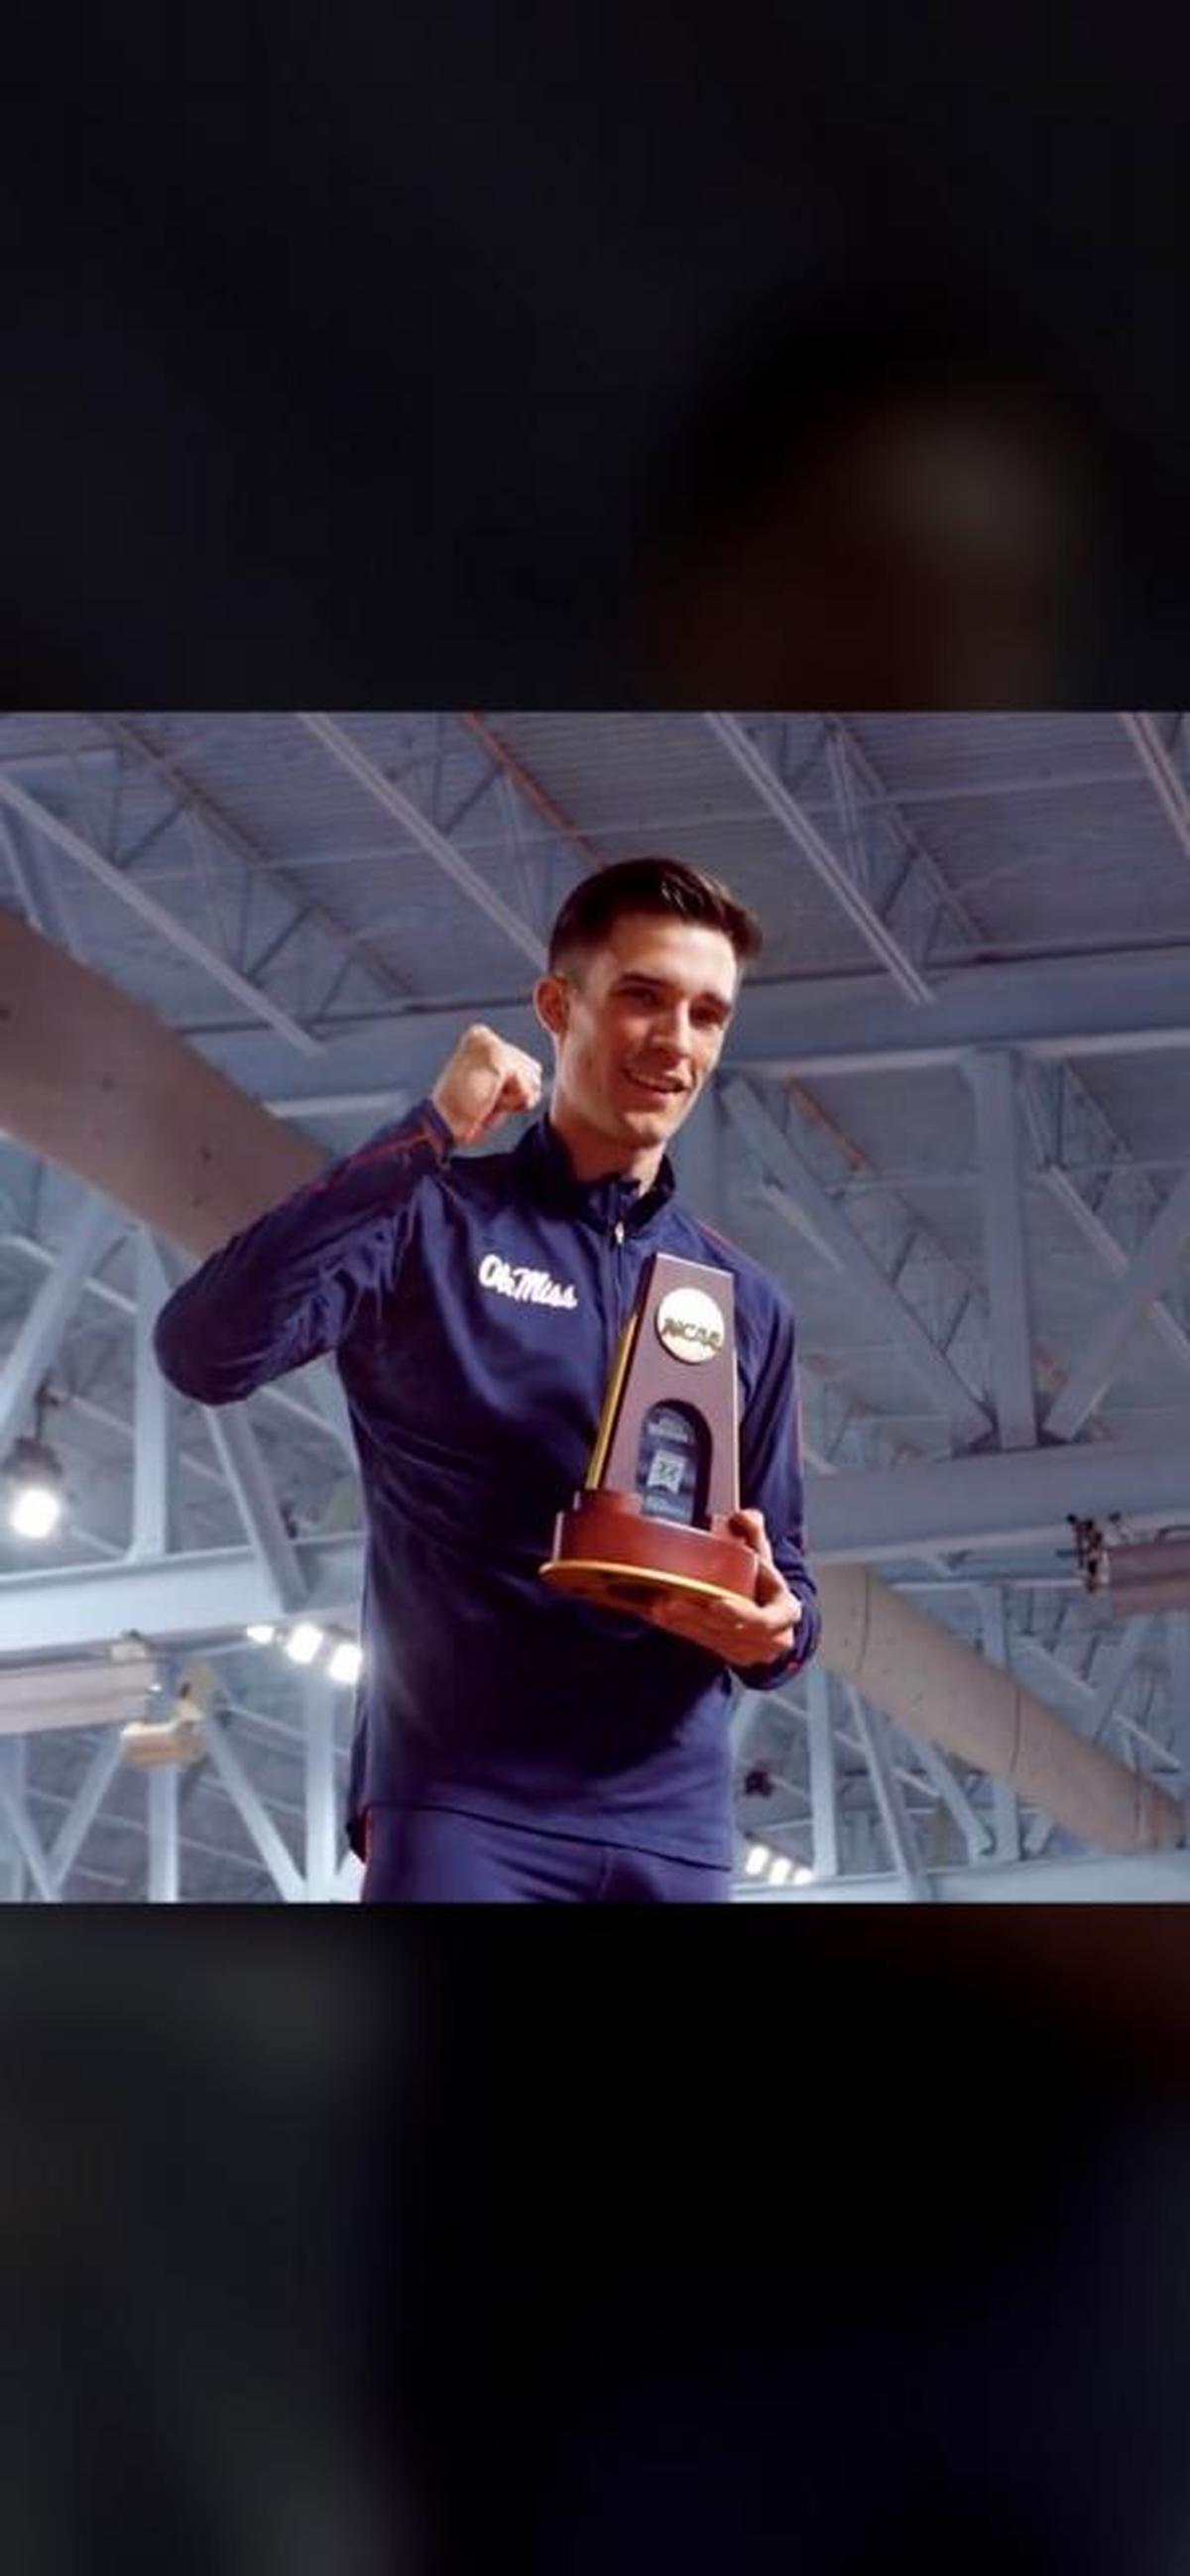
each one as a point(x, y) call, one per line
point(551, 1002)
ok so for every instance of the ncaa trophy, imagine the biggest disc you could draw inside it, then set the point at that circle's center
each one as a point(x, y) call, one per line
point(663, 1479)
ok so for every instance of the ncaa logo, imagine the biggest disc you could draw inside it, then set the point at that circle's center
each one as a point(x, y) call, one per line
point(690, 1324)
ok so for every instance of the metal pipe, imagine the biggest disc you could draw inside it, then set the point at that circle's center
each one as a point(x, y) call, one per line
point(932, 1683)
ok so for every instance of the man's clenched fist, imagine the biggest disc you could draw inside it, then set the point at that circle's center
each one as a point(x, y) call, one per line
point(484, 1081)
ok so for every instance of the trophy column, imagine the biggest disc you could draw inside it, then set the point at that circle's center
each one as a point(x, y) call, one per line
point(664, 1474)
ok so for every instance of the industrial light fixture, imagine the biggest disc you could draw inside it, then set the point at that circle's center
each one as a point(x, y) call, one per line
point(757, 1861)
point(780, 1869)
point(35, 1480)
point(346, 1662)
point(304, 1643)
point(170, 1743)
point(307, 1643)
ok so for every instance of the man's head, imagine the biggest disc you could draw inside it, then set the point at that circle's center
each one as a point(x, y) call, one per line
point(645, 962)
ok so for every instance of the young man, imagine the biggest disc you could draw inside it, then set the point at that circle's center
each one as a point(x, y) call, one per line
point(511, 1742)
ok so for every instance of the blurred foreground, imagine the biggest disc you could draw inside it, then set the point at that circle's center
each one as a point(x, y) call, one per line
point(423, 2246)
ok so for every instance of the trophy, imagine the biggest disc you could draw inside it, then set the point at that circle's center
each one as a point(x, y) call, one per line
point(664, 1474)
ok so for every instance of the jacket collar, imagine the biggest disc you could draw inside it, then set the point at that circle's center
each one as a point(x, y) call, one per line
point(545, 1171)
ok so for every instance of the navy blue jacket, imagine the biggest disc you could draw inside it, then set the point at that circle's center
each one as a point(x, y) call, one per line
point(474, 1305)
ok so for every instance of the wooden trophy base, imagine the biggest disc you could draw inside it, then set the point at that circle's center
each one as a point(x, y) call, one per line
point(608, 1549)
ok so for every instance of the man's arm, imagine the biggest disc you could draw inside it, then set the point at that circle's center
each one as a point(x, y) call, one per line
point(289, 1288)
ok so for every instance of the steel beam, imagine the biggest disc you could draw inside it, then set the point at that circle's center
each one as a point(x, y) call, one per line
point(1159, 768)
point(210, 1593)
point(976, 1832)
point(824, 1800)
point(878, 804)
point(1129, 1302)
point(322, 1804)
point(902, 1841)
point(95, 1228)
point(1005, 1810)
point(161, 1788)
point(1178, 1633)
point(1093, 1176)
point(811, 1207)
point(1113, 1255)
point(174, 932)
point(841, 880)
point(991, 1077)
point(349, 1879)
point(1098, 1699)
point(327, 1410)
point(250, 1806)
point(805, 1026)
point(85, 1805)
point(14, 1871)
point(256, 862)
point(22, 1832)
point(28, 894)
point(699, 1158)
point(862, 1518)
point(427, 835)
point(154, 1412)
point(41, 890)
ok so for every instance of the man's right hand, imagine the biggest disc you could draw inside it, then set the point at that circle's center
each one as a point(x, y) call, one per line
point(484, 1081)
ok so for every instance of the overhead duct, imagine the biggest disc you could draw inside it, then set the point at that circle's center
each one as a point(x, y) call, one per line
point(1155, 1576)
point(933, 1684)
point(94, 1082)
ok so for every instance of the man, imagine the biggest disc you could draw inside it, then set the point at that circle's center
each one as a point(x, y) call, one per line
point(513, 1743)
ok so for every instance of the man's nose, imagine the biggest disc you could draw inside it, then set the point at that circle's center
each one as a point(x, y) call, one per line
point(673, 1028)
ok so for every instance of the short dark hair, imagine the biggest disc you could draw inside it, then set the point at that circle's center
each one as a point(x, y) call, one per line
point(667, 887)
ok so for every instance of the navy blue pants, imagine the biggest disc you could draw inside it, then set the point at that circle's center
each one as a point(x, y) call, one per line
point(441, 1856)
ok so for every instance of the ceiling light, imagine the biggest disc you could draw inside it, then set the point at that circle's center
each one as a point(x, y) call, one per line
point(347, 1662)
point(260, 1633)
point(35, 1511)
point(803, 1877)
point(758, 1859)
point(304, 1642)
point(36, 1496)
point(780, 1870)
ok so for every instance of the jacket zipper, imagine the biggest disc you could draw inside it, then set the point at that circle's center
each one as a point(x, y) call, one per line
point(617, 1303)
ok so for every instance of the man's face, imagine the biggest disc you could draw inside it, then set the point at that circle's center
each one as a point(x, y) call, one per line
point(644, 1021)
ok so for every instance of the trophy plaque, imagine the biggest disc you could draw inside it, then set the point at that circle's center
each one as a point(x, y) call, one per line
point(664, 1474)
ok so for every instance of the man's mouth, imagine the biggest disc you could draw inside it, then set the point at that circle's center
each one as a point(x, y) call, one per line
point(658, 1087)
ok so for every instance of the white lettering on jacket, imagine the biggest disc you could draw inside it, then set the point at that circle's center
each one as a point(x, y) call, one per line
point(529, 1287)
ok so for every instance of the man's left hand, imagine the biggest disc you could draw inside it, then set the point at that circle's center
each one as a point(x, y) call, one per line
point(736, 1632)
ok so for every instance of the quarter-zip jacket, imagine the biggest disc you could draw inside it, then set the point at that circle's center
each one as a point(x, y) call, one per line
point(474, 1305)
